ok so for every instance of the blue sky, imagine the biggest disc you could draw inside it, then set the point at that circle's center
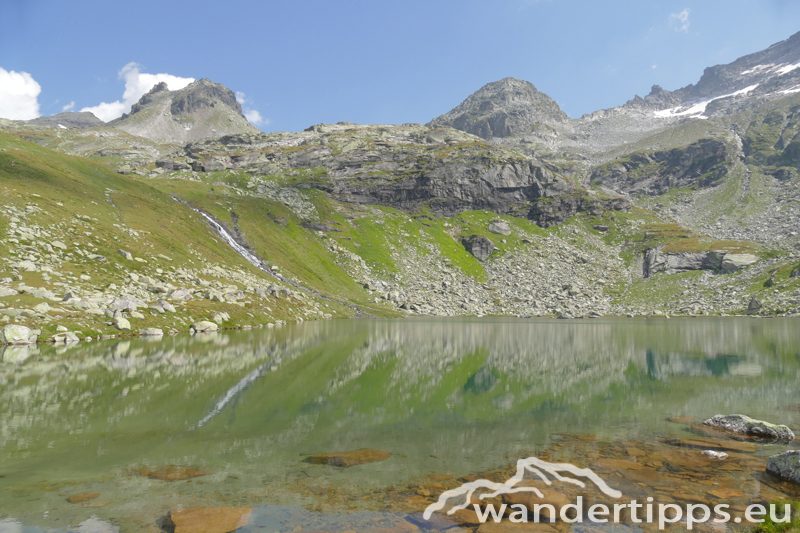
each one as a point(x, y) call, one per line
point(303, 62)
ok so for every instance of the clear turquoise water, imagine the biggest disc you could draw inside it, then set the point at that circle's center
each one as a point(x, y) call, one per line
point(450, 397)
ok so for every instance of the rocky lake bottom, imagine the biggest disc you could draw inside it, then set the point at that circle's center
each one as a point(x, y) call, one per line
point(360, 425)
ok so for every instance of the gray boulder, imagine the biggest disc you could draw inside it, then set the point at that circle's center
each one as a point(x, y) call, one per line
point(754, 306)
point(734, 262)
point(166, 306)
point(5, 291)
point(180, 294)
point(151, 332)
point(15, 334)
point(122, 324)
point(65, 337)
point(785, 466)
point(499, 227)
point(125, 304)
point(744, 425)
point(204, 326)
point(479, 246)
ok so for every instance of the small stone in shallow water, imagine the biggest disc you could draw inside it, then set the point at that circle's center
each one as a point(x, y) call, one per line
point(715, 455)
point(83, 496)
point(173, 473)
point(209, 519)
point(718, 444)
point(352, 458)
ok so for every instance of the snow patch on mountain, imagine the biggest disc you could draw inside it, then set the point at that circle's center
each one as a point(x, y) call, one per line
point(698, 107)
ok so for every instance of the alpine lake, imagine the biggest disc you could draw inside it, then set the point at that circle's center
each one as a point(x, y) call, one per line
point(135, 434)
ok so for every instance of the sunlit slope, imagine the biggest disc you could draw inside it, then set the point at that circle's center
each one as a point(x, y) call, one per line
point(65, 219)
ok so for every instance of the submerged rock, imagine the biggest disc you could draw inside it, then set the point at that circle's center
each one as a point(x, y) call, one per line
point(744, 425)
point(209, 519)
point(352, 458)
point(174, 473)
point(785, 466)
point(715, 455)
point(83, 497)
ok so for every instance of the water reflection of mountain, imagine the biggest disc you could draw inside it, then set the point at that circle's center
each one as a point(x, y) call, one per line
point(356, 375)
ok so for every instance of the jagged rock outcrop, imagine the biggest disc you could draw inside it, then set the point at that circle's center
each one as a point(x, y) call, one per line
point(701, 164)
point(671, 263)
point(501, 109)
point(479, 246)
point(408, 167)
point(744, 425)
point(550, 211)
point(202, 109)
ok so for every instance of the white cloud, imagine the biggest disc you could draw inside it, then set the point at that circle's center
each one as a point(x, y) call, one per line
point(137, 84)
point(680, 21)
point(69, 107)
point(19, 95)
point(253, 116)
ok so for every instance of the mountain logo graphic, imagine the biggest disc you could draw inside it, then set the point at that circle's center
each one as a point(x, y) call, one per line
point(541, 469)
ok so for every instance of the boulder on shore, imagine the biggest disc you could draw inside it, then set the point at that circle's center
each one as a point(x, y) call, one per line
point(204, 326)
point(744, 425)
point(16, 334)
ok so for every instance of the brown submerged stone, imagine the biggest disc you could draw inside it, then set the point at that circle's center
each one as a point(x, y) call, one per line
point(714, 444)
point(682, 420)
point(530, 499)
point(726, 494)
point(513, 527)
point(173, 473)
point(209, 519)
point(95, 504)
point(629, 470)
point(83, 497)
point(352, 458)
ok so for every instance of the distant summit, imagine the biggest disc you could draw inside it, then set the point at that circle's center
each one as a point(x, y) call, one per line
point(201, 110)
point(68, 120)
point(501, 109)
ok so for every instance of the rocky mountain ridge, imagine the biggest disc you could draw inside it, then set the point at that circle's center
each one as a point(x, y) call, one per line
point(201, 109)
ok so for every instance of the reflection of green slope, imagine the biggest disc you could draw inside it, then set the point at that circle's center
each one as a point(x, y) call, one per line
point(385, 384)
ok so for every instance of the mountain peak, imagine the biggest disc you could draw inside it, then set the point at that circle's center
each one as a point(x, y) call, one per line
point(506, 107)
point(202, 109)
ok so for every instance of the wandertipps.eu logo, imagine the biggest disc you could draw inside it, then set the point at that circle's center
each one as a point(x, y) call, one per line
point(483, 489)
point(636, 512)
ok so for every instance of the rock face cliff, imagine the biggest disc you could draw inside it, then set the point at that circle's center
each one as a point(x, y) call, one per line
point(200, 110)
point(700, 164)
point(503, 108)
point(408, 167)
